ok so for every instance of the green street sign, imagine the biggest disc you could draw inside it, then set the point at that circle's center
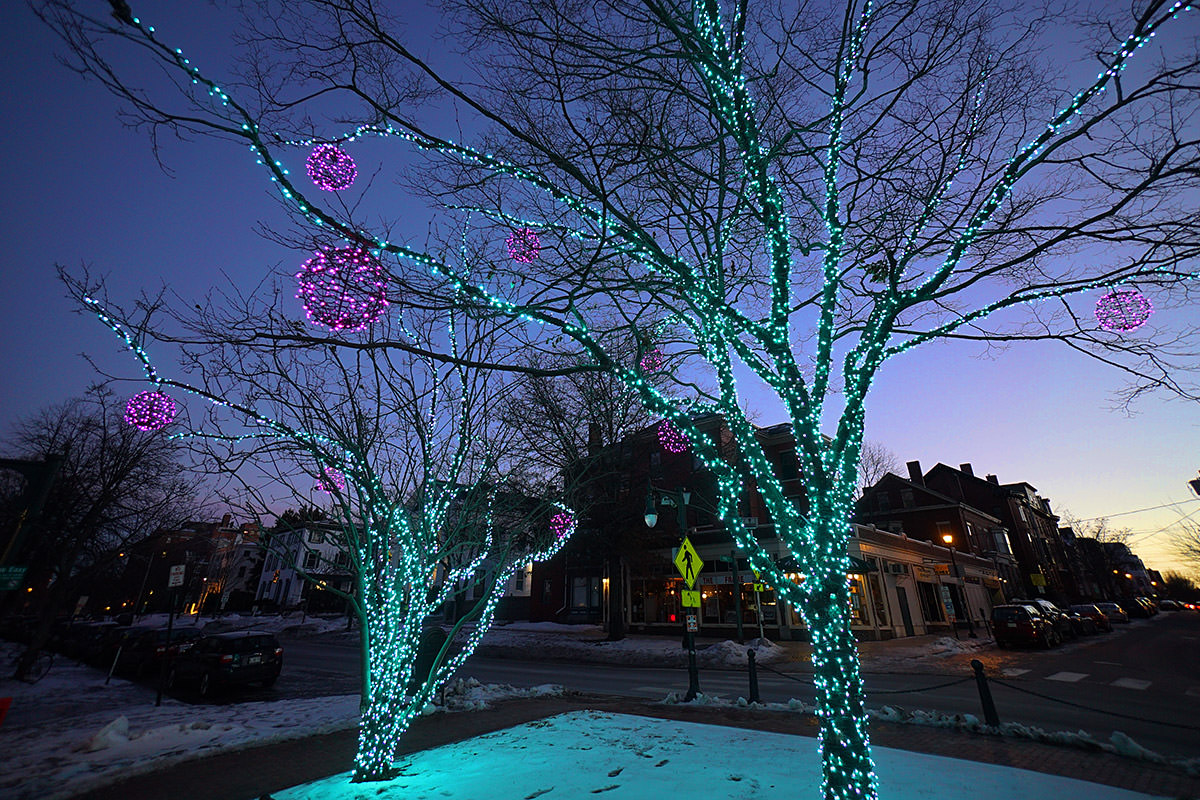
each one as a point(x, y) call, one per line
point(11, 577)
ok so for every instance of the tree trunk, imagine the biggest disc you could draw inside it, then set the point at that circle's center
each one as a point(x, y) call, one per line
point(847, 769)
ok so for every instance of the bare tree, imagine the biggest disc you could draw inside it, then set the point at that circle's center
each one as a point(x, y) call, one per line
point(1185, 541)
point(875, 462)
point(414, 462)
point(116, 486)
point(800, 193)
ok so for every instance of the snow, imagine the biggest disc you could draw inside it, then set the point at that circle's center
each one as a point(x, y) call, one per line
point(624, 757)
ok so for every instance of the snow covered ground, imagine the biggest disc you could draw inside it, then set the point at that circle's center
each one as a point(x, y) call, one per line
point(70, 732)
point(622, 757)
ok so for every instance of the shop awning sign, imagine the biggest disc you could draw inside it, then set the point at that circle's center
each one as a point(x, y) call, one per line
point(688, 562)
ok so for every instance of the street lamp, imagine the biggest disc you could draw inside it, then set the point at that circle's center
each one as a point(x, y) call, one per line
point(948, 538)
point(679, 499)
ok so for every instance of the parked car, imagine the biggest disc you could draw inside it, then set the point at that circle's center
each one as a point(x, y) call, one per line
point(1023, 624)
point(1093, 612)
point(84, 639)
point(143, 654)
point(219, 660)
point(1081, 625)
point(1114, 612)
point(1057, 617)
point(1150, 605)
point(1169, 605)
point(1134, 607)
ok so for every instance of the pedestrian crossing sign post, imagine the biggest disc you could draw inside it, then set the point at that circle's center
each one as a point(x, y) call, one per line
point(688, 562)
point(692, 624)
point(691, 598)
point(759, 586)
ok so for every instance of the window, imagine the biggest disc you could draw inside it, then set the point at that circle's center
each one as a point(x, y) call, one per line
point(585, 592)
point(1000, 537)
point(342, 559)
point(906, 498)
point(884, 503)
point(311, 560)
point(858, 603)
point(519, 581)
point(316, 537)
point(789, 468)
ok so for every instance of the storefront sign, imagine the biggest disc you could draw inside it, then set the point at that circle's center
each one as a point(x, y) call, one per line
point(922, 573)
point(942, 569)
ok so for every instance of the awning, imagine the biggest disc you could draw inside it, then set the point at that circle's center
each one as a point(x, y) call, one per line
point(860, 567)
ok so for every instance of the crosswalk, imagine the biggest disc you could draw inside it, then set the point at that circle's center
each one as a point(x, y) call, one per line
point(1136, 684)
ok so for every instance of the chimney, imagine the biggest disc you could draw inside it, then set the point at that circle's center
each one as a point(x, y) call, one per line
point(914, 473)
point(966, 469)
point(595, 438)
point(993, 479)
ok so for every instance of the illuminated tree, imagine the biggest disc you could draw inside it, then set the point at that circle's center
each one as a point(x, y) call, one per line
point(413, 465)
point(800, 194)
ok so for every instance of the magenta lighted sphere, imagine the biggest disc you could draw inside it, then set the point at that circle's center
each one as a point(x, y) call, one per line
point(523, 245)
point(1123, 310)
point(150, 411)
point(652, 360)
point(331, 167)
point(671, 438)
point(561, 524)
point(331, 480)
point(344, 289)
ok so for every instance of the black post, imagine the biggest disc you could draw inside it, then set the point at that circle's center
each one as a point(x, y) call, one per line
point(753, 676)
point(985, 694)
point(737, 595)
point(162, 672)
point(693, 672)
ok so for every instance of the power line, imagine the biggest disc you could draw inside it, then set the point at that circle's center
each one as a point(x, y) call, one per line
point(1140, 510)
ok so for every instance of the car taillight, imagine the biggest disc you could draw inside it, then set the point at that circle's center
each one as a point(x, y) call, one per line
point(160, 650)
point(226, 659)
point(278, 652)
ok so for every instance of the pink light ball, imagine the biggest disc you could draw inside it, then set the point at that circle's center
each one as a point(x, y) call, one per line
point(344, 289)
point(561, 524)
point(671, 438)
point(150, 411)
point(652, 360)
point(331, 168)
point(1123, 310)
point(331, 480)
point(523, 245)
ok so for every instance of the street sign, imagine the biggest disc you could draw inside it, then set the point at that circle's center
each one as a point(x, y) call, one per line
point(692, 624)
point(760, 587)
point(691, 599)
point(176, 576)
point(688, 562)
point(11, 577)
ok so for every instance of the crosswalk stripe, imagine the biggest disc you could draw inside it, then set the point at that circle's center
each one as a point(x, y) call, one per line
point(1130, 683)
point(1067, 677)
point(1014, 672)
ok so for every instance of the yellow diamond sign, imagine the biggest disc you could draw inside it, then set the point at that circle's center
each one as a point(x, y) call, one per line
point(688, 562)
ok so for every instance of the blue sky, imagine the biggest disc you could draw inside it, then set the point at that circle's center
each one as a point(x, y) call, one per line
point(81, 188)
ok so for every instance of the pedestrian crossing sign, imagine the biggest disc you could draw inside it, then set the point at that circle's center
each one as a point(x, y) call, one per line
point(688, 562)
point(691, 598)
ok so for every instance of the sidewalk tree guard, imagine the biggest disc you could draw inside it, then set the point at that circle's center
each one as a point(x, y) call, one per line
point(788, 202)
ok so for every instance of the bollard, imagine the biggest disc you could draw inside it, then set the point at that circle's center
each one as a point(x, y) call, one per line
point(753, 677)
point(985, 694)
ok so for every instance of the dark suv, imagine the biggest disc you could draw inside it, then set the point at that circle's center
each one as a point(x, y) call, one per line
point(235, 658)
point(1022, 624)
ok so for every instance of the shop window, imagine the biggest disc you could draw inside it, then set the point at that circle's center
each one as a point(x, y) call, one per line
point(877, 600)
point(585, 592)
point(858, 601)
point(931, 606)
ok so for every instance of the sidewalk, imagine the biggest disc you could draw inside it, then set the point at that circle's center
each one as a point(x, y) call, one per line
point(252, 773)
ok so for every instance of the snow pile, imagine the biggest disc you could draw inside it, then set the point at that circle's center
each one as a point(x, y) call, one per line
point(1119, 743)
point(948, 646)
point(468, 694)
point(732, 655)
point(586, 753)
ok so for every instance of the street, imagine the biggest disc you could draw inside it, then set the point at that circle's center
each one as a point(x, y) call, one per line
point(1148, 672)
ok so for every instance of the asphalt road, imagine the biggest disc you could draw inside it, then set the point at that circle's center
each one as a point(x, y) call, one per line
point(1143, 680)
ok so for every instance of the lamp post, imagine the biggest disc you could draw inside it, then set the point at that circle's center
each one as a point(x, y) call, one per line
point(679, 499)
point(948, 538)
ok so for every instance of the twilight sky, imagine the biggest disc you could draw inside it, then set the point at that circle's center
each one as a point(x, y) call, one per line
point(83, 189)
